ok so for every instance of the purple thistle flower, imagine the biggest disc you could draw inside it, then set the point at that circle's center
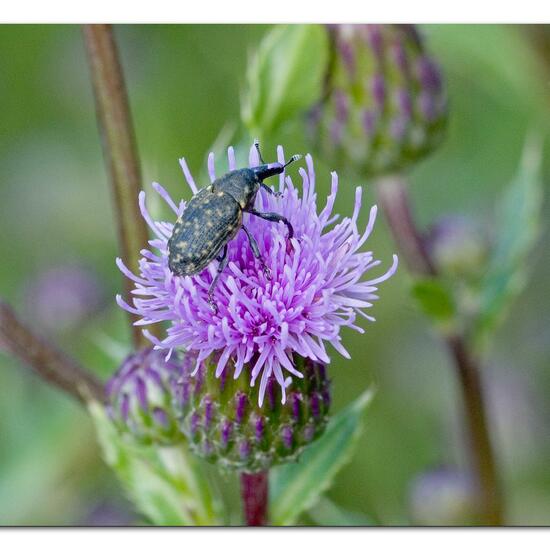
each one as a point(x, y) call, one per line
point(315, 286)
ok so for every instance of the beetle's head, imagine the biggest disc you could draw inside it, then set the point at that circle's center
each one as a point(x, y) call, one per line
point(265, 171)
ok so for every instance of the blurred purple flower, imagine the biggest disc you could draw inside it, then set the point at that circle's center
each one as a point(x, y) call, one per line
point(314, 289)
point(443, 496)
point(63, 297)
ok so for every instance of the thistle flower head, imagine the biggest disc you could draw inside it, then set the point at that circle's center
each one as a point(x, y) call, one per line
point(317, 284)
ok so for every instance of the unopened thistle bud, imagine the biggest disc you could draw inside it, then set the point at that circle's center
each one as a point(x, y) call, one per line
point(224, 423)
point(385, 106)
point(458, 246)
point(140, 397)
point(443, 497)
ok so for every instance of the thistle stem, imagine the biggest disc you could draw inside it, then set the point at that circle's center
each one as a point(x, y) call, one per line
point(254, 494)
point(46, 360)
point(481, 450)
point(119, 149)
point(395, 201)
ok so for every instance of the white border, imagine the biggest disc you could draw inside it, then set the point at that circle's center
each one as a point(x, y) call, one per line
point(276, 11)
point(274, 539)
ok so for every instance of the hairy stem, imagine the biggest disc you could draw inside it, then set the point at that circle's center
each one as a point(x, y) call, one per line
point(394, 199)
point(119, 149)
point(254, 494)
point(46, 360)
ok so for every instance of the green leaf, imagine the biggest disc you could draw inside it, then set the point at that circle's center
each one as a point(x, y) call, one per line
point(516, 231)
point(285, 76)
point(328, 513)
point(435, 299)
point(165, 483)
point(296, 487)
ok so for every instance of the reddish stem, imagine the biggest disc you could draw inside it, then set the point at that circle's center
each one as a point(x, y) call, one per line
point(394, 198)
point(254, 494)
point(45, 359)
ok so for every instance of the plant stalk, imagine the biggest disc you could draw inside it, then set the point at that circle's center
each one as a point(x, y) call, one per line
point(254, 494)
point(119, 150)
point(46, 360)
point(481, 450)
point(395, 201)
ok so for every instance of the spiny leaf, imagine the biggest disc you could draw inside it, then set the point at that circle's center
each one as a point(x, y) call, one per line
point(516, 231)
point(165, 483)
point(295, 487)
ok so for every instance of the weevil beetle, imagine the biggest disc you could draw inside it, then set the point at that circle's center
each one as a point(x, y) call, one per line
point(214, 216)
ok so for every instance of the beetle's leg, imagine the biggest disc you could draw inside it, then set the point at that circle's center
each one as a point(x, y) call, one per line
point(256, 252)
point(273, 217)
point(270, 191)
point(223, 259)
point(257, 145)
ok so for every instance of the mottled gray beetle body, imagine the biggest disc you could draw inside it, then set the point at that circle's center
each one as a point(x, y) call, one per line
point(213, 217)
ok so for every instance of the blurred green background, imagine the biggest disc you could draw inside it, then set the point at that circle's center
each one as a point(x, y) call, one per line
point(185, 84)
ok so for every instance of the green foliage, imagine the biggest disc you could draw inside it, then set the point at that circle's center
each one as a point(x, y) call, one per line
point(435, 299)
point(328, 513)
point(516, 230)
point(165, 483)
point(294, 488)
point(284, 77)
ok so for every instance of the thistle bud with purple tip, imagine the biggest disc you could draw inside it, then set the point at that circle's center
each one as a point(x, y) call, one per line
point(224, 423)
point(140, 397)
point(443, 497)
point(458, 246)
point(385, 105)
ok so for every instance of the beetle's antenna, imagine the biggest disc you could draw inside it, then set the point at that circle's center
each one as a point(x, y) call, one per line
point(292, 159)
point(257, 145)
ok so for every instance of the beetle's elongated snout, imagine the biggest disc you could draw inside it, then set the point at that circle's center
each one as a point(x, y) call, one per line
point(267, 170)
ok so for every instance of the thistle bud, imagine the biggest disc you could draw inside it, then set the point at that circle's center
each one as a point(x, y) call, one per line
point(225, 424)
point(385, 106)
point(443, 497)
point(140, 397)
point(458, 246)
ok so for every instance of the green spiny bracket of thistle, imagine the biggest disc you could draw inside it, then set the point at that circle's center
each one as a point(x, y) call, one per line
point(224, 423)
point(140, 396)
point(384, 106)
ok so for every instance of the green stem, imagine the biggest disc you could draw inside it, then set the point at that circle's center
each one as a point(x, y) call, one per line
point(394, 199)
point(119, 149)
